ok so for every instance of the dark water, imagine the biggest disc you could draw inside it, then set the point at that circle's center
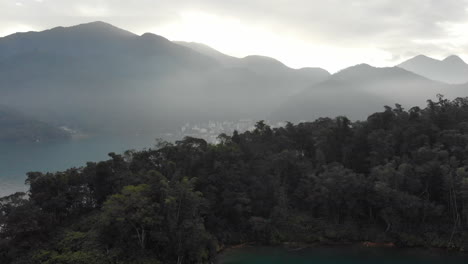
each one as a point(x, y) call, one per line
point(351, 255)
point(17, 159)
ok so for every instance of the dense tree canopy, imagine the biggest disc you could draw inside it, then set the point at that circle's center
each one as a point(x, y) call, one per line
point(400, 176)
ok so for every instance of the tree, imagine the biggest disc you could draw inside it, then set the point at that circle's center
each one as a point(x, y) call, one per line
point(133, 213)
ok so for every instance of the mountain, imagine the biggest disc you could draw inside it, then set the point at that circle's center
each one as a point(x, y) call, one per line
point(358, 90)
point(254, 85)
point(105, 79)
point(209, 51)
point(102, 40)
point(266, 66)
point(93, 74)
point(102, 79)
point(18, 127)
point(451, 70)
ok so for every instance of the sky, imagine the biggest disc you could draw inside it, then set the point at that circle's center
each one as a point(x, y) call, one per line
point(331, 34)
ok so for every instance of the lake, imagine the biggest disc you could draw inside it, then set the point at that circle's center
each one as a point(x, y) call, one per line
point(338, 255)
point(18, 159)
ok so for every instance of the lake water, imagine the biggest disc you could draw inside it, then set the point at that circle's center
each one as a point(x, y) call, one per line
point(18, 159)
point(334, 255)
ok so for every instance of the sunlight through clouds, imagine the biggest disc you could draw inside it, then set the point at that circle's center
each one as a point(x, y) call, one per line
point(235, 38)
point(15, 28)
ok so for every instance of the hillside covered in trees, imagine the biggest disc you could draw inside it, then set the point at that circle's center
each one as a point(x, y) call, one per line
point(18, 127)
point(400, 176)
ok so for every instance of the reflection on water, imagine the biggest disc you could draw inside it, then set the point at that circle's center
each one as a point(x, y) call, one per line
point(17, 159)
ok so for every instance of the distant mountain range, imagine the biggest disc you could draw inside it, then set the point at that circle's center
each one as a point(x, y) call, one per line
point(262, 65)
point(361, 89)
point(104, 79)
point(450, 70)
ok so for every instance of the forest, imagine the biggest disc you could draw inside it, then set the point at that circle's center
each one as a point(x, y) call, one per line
point(400, 176)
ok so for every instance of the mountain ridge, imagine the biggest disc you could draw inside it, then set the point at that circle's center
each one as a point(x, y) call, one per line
point(122, 82)
point(228, 59)
point(97, 73)
point(452, 69)
point(356, 90)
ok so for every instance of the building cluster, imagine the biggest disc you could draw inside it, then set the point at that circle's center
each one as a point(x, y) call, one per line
point(210, 131)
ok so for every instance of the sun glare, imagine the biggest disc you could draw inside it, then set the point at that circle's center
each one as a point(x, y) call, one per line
point(16, 28)
point(233, 37)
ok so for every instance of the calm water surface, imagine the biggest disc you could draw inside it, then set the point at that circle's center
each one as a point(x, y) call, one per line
point(17, 159)
point(352, 255)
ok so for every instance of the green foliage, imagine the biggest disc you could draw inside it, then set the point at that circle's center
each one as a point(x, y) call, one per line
point(68, 257)
point(400, 176)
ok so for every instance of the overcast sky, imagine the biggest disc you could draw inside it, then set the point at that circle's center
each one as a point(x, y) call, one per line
point(331, 34)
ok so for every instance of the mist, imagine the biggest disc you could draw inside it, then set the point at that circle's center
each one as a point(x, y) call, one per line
point(201, 131)
point(100, 79)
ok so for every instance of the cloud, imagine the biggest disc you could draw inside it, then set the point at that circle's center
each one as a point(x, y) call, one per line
point(93, 11)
